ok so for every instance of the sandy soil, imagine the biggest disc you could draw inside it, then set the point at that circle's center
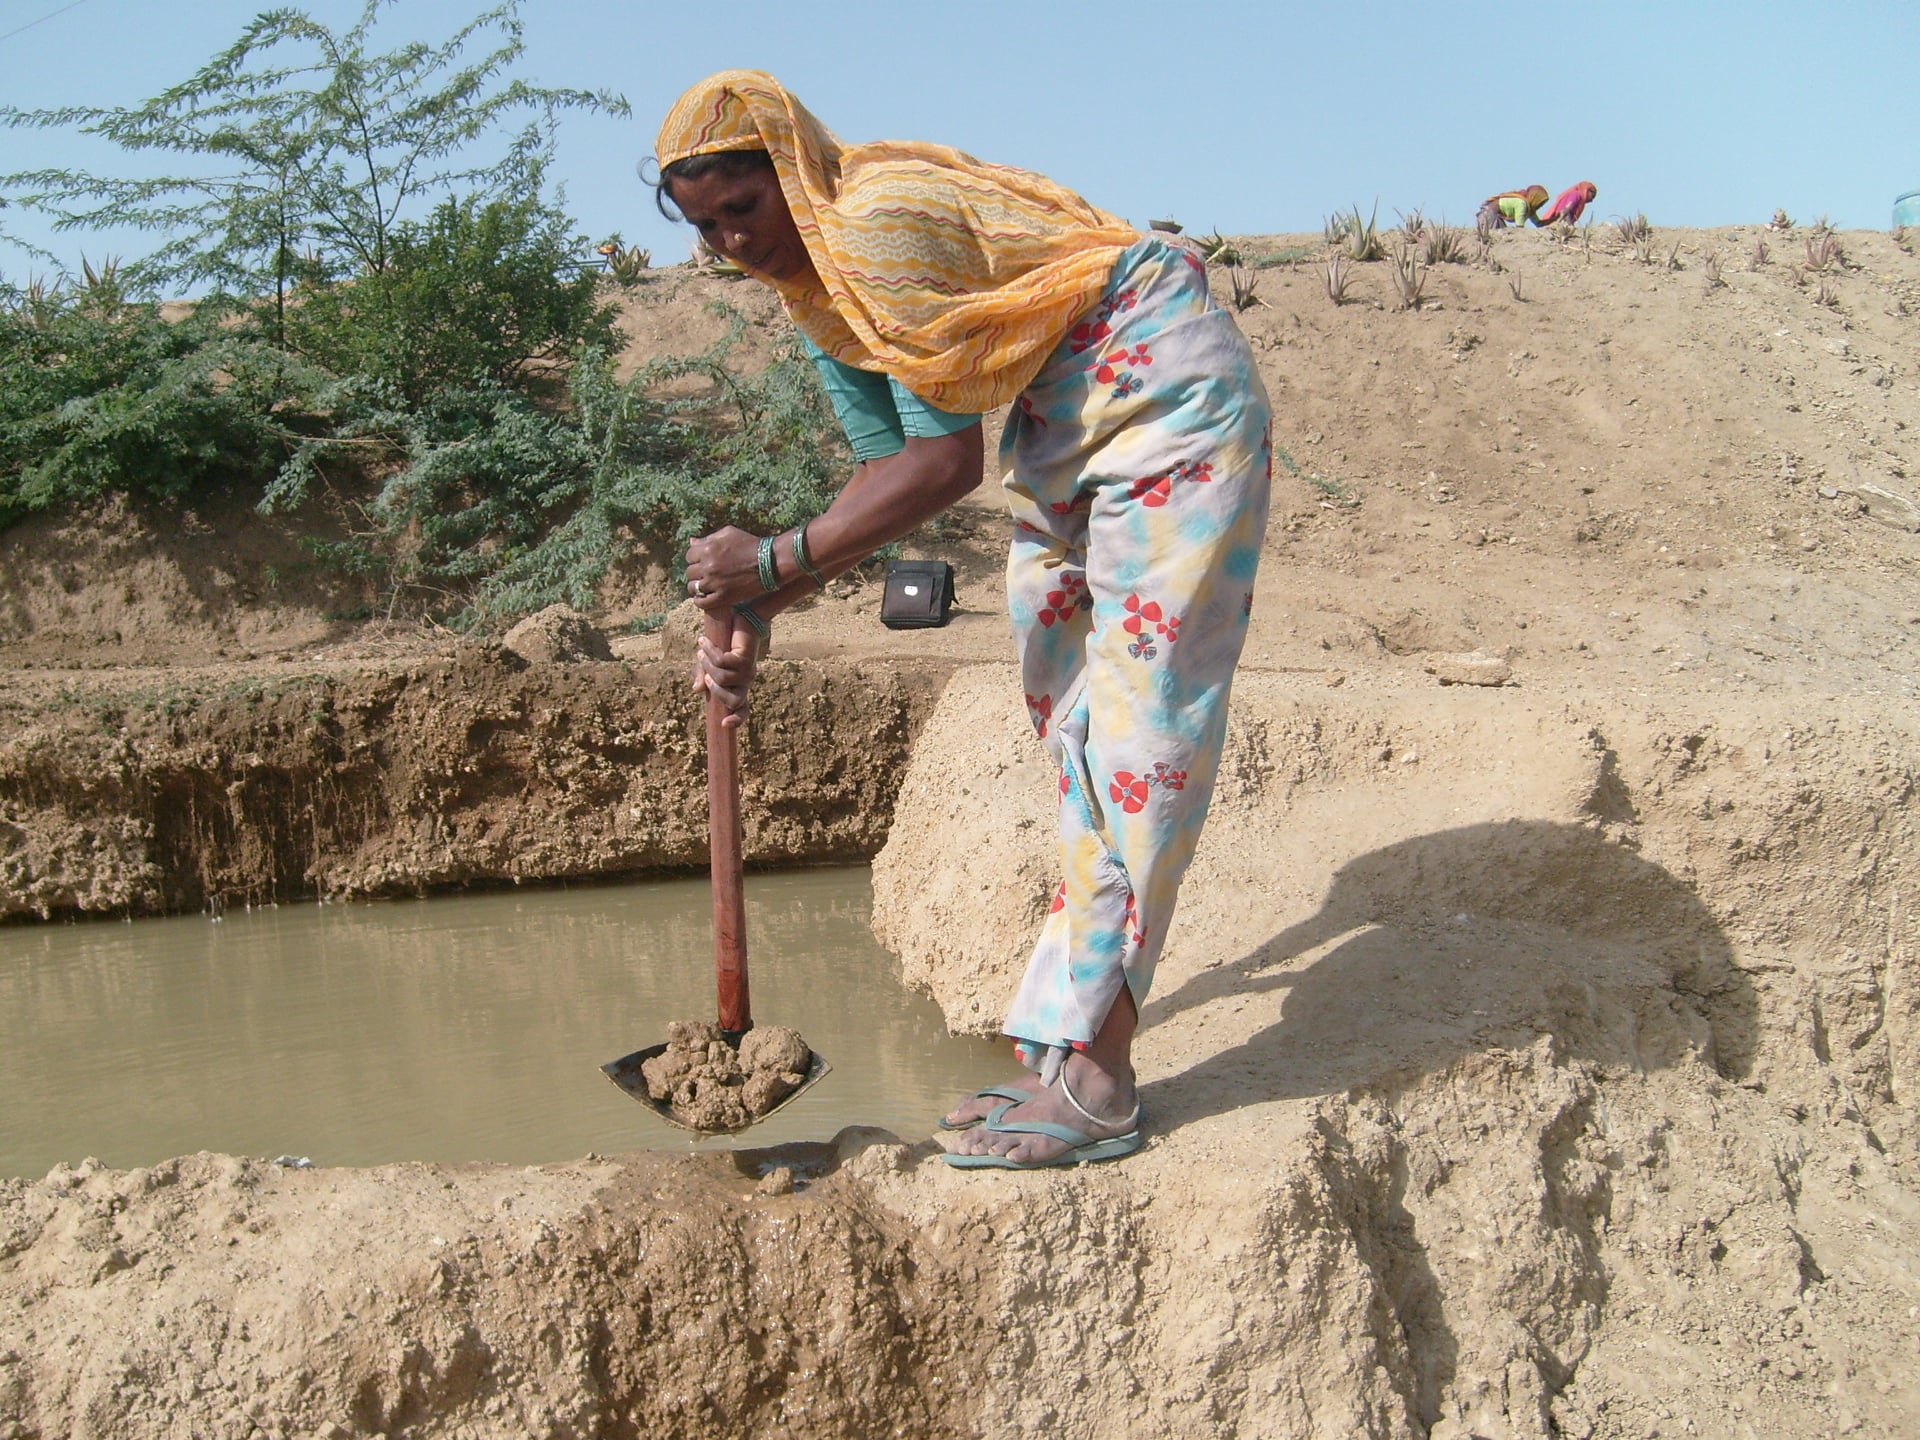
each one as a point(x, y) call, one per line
point(1533, 1055)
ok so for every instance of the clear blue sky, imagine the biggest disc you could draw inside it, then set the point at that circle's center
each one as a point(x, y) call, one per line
point(1250, 116)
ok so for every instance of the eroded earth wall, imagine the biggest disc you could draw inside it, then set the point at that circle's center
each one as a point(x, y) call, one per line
point(476, 768)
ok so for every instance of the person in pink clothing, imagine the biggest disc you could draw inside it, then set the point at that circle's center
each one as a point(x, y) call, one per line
point(1570, 203)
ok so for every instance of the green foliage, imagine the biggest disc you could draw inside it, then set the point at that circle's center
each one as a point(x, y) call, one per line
point(319, 147)
point(493, 506)
point(98, 397)
point(474, 295)
point(389, 321)
point(761, 452)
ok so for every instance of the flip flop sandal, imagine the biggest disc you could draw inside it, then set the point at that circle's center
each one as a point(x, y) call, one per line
point(992, 1092)
point(1082, 1149)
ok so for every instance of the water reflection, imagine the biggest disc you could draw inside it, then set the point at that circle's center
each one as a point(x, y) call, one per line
point(465, 1028)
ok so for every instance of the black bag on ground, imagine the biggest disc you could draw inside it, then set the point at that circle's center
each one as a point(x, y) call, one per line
point(918, 594)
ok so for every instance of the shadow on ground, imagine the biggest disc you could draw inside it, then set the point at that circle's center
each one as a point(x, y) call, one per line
point(1472, 938)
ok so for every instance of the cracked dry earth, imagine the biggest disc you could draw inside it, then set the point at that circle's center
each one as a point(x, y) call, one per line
point(1534, 1053)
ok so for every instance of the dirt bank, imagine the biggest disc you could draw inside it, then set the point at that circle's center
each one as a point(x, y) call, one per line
point(469, 769)
point(1533, 1055)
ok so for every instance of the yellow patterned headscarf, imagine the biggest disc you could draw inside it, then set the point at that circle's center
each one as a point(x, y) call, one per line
point(955, 277)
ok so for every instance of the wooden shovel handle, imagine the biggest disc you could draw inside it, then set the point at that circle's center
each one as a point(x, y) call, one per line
point(723, 849)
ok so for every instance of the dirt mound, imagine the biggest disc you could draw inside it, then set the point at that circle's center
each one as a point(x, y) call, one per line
point(1580, 1033)
point(1531, 1059)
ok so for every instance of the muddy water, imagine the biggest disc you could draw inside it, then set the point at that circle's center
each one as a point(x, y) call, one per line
point(465, 1028)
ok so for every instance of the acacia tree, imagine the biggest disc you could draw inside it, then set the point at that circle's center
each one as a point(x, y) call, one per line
point(299, 147)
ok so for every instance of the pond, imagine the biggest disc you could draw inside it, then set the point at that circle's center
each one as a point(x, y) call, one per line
point(451, 1029)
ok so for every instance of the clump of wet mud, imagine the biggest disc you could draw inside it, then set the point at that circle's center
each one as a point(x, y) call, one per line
point(709, 1085)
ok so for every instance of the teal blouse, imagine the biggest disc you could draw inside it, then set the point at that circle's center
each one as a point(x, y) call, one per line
point(878, 413)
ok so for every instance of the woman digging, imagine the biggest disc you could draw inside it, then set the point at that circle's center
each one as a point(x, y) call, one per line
point(930, 288)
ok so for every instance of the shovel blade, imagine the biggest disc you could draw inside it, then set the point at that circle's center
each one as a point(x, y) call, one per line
point(625, 1072)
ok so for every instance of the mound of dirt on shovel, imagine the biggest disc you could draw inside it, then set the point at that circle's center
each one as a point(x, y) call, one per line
point(709, 1085)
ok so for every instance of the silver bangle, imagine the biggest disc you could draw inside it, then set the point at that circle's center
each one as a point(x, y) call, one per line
point(755, 621)
point(805, 561)
point(768, 565)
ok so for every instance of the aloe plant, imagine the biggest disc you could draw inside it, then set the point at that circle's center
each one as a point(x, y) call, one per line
point(1336, 277)
point(1362, 239)
point(1444, 245)
point(1632, 229)
point(1216, 249)
point(1409, 277)
point(1823, 250)
point(629, 266)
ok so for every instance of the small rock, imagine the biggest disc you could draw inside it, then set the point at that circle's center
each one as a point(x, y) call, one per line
point(1472, 668)
point(1889, 507)
point(777, 1181)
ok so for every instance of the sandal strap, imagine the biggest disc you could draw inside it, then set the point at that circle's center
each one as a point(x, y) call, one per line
point(1129, 1122)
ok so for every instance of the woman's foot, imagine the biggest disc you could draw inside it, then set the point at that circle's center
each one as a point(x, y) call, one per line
point(1092, 1099)
point(976, 1107)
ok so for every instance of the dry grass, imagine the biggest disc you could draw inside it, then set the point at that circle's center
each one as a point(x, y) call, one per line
point(1245, 288)
point(1760, 254)
point(1514, 286)
point(1711, 268)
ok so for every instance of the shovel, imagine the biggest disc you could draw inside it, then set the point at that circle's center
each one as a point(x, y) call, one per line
point(729, 908)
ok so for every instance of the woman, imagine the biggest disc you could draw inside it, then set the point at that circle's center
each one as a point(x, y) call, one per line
point(1570, 203)
point(1514, 207)
point(930, 288)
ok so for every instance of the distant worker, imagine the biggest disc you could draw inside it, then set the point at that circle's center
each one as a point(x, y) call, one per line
point(1514, 207)
point(1571, 202)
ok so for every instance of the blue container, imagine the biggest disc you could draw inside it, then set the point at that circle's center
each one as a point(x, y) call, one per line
point(1906, 210)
